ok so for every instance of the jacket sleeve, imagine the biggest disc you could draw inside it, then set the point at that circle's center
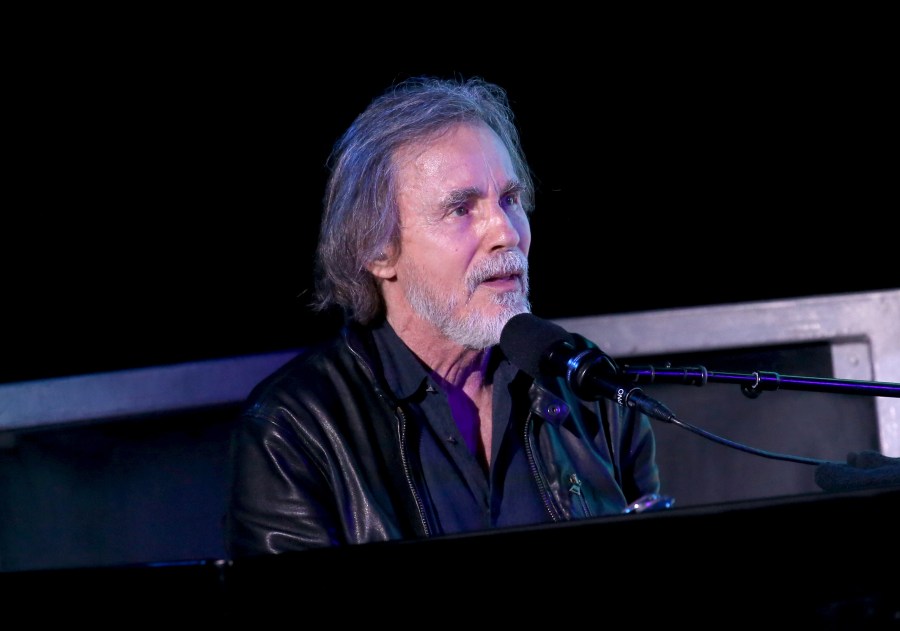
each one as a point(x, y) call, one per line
point(279, 494)
point(308, 461)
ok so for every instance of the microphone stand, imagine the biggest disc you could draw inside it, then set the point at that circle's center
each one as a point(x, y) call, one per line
point(755, 383)
point(752, 385)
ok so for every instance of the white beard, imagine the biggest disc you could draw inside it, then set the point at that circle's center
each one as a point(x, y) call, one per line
point(472, 329)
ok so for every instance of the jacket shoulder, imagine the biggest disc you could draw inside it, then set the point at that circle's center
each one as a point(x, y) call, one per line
point(315, 375)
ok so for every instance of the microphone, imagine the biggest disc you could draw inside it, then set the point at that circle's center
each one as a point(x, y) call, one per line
point(538, 346)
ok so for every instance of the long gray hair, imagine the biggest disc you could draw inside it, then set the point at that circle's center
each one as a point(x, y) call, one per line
point(361, 219)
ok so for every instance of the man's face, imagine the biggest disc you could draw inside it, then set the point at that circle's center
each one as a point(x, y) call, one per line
point(462, 264)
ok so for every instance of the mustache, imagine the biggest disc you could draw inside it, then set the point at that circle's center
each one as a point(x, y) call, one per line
point(507, 263)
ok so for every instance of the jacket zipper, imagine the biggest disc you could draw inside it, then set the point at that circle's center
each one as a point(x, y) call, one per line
point(406, 472)
point(401, 430)
point(542, 488)
point(575, 489)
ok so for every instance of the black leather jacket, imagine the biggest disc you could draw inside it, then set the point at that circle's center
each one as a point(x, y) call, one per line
point(320, 456)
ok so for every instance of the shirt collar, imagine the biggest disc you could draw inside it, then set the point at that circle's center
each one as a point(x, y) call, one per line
point(406, 375)
point(403, 371)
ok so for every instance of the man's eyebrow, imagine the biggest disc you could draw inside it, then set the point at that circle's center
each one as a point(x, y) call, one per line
point(461, 195)
point(512, 186)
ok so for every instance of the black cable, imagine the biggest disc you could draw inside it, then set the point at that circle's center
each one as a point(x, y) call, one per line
point(745, 448)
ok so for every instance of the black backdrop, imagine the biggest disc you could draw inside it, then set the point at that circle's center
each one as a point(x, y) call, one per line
point(165, 197)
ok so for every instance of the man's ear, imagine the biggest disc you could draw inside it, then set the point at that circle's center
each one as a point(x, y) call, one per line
point(384, 267)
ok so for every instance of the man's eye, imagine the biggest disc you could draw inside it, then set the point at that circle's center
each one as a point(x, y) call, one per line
point(460, 211)
point(510, 199)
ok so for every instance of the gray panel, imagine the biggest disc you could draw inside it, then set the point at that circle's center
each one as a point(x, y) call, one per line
point(863, 330)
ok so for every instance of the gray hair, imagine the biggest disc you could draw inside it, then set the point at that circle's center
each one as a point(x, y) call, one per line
point(361, 218)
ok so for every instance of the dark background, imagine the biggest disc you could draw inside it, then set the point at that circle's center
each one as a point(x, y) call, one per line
point(165, 196)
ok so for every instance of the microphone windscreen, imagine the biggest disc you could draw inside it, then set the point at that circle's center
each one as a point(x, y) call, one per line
point(527, 339)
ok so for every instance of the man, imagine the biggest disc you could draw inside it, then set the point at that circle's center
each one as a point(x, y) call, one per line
point(412, 423)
